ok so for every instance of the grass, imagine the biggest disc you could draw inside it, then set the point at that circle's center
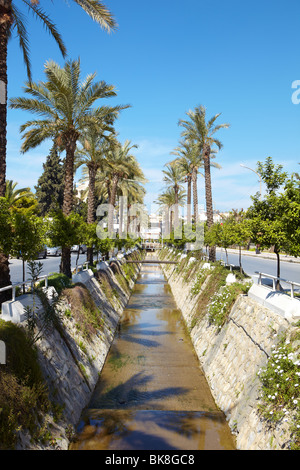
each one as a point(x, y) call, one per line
point(83, 309)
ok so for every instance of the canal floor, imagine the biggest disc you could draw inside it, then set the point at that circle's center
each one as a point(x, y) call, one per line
point(152, 393)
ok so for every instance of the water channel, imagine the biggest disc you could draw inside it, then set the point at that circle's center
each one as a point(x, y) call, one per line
point(152, 394)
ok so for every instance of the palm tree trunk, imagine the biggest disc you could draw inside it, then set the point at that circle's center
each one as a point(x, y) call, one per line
point(195, 195)
point(122, 204)
point(65, 265)
point(112, 205)
point(91, 195)
point(208, 197)
point(91, 208)
point(189, 199)
point(5, 23)
point(176, 212)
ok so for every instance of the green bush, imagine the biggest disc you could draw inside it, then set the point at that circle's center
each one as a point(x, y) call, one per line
point(23, 395)
point(222, 302)
point(58, 281)
point(280, 391)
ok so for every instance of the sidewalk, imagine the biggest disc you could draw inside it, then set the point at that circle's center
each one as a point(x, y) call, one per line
point(264, 255)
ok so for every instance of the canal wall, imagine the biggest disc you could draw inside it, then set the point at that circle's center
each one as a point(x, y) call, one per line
point(72, 357)
point(231, 356)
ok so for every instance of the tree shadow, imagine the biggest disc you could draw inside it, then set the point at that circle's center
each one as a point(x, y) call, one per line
point(131, 393)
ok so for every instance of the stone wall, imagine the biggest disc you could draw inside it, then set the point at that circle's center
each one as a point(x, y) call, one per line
point(230, 358)
point(70, 362)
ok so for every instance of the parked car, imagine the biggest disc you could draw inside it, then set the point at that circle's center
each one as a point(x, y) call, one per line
point(39, 254)
point(42, 253)
point(81, 248)
point(54, 251)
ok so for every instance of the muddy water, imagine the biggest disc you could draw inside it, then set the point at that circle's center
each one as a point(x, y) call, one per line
point(152, 394)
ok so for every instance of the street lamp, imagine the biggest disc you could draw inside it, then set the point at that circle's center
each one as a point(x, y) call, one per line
point(259, 176)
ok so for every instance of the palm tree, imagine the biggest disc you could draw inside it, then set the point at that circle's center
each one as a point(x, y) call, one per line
point(120, 164)
point(166, 201)
point(173, 178)
point(13, 195)
point(13, 18)
point(203, 134)
point(131, 191)
point(65, 108)
point(94, 143)
point(189, 159)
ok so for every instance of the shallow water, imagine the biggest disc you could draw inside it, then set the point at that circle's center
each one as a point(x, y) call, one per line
point(152, 393)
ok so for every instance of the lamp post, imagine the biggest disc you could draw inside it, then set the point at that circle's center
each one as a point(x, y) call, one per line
point(259, 176)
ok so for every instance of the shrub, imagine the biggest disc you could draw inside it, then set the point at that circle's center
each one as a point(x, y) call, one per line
point(58, 281)
point(280, 390)
point(23, 395)
point(222, 302)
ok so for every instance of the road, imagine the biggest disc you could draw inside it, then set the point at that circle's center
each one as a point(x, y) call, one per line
point(50, 265)
point(289, 271)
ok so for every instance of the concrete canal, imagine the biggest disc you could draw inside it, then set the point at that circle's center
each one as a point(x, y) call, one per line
point(152, 393)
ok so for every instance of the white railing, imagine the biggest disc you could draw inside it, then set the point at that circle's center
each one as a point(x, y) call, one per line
point(275, 279)
point(13, 287)
point(80, 267)
point(231, 266)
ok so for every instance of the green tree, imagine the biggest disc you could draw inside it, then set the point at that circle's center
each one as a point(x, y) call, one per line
point(50, 185)
point(221, 235)
point(291, 215)
point(203, 133)
point(28, 236)
point(266, 214)
point(65, 231)
point(66, 105)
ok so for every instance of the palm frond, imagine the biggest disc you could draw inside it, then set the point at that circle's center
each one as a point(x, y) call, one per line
point(19, 22)
point(99, 13)
point(47, 23)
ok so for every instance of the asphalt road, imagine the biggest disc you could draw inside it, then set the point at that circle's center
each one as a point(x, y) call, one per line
point(288, 270)
point(50, 265)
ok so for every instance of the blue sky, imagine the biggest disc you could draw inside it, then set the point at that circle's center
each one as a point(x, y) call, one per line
point(168, 56)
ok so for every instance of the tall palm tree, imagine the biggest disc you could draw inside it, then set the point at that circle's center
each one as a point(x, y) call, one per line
point(174, 177)
point(65, 109)
point(131, 191)
point(203, 133)
point(166, 200)
point(190, 159)
point(13, 18)
point(120, 164)
point(94, 143)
